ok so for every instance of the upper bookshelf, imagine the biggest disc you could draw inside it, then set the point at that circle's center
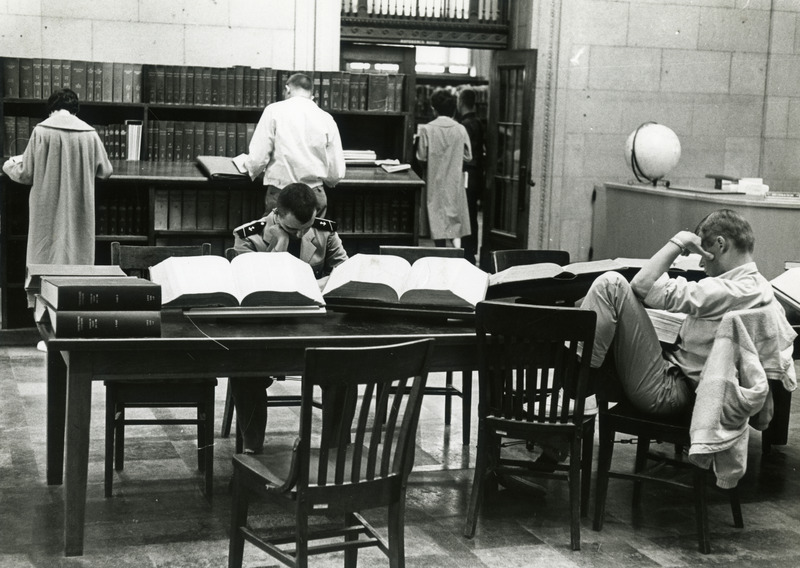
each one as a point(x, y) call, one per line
point(188, 110)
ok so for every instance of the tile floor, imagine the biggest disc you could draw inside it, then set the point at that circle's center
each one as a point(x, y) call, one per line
point(158, 517)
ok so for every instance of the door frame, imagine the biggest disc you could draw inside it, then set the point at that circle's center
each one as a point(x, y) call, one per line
point(493, 237)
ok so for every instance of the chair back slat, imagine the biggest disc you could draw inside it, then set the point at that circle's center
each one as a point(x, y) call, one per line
point(529, 361)
point(372, 436)
point(361, 430)
point(375, 431)
point(388, 451)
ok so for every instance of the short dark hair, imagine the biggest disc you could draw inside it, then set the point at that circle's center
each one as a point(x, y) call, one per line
point(300, 81)
point(63, 99)
point(467, 97)
point(443, 102)
point(729, 224)
point(299, 200)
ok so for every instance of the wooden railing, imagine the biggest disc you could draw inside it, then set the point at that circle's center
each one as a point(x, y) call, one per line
point(452, 23)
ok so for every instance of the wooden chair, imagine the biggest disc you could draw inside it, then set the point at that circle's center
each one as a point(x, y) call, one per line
point(154, 393)
point(624, 419)
point(502, 259)
point(412, 254)
point(532, 390)
point(357, 457)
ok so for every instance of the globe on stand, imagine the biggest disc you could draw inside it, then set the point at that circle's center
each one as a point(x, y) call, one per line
point(652, 150)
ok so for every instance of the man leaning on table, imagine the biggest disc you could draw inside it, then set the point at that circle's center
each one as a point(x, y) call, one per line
point(295, 141)
point(291, 227)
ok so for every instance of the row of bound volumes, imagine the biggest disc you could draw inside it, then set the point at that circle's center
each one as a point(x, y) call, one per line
point(237, 86)
point(176, 141)
point(205, 209)
point(245, 87)
point(17, 131)
point(97, 306)
point(92, 81)
point(371, 213)
point(121, 213)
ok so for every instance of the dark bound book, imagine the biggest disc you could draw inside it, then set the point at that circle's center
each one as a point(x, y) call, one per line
point(35, 272)
point(99, 323)
point(100, 293)
point(219, 167)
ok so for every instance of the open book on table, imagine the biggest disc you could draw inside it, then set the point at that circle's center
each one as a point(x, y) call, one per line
point(542, 270)
point(385, 279)
point(250, 279)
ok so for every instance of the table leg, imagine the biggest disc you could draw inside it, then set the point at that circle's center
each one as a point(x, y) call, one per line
point(79, 404)
point(56, 406)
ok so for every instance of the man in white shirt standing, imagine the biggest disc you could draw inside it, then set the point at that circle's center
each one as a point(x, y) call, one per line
point(296, 141)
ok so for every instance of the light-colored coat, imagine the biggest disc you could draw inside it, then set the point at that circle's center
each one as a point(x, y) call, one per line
point(750, 347)
point(61, 162)
point(444, 145)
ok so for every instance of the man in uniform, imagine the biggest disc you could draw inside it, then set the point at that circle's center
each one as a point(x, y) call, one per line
point(291, 227)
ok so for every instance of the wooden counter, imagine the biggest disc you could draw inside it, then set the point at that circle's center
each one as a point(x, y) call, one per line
point(635, 221)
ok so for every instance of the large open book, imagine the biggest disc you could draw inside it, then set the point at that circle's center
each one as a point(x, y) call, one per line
point(385, 279)
point(250, 279)
point(547, 283)
point(542, 270)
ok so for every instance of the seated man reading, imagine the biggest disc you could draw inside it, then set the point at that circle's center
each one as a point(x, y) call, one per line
point(661, 381)
point(292, 226)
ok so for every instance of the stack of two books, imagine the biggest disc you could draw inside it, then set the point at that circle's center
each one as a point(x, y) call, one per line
point(94, 306)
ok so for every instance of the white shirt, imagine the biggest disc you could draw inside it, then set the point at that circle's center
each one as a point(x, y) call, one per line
point(705, 302)
point(296, 141)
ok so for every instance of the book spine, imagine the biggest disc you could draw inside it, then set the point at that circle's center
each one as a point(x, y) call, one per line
point(26, 78)
point(132, 323)
point(11, 77)
point(89, 90)
point(86, 296)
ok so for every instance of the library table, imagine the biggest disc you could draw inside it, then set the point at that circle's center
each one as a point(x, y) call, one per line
point(212, 348)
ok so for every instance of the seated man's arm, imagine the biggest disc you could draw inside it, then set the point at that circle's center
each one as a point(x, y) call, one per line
point(682, 243)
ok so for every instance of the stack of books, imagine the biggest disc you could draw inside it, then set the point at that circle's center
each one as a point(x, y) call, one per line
point(360, 157)
point(87, 307)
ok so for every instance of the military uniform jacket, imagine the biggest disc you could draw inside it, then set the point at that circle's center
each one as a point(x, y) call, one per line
point(320, 246)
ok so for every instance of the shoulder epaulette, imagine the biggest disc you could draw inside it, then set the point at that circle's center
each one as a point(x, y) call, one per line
point(250, 229)
point(324, 224)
